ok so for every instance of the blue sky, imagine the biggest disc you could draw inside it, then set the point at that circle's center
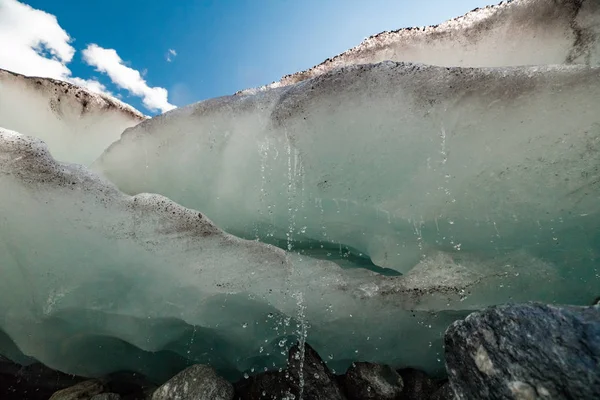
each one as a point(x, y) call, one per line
point(222, 45)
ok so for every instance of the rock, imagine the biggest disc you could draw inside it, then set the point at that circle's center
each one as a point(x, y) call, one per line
point(529, 351)
point(130, 385)
point(107, 396)
point(417, 384)
point(198, 382)
point(267, 385)
point(443, 393)
point(318, 381)
point(82, 391)
point(306, 376)
point(369, 381)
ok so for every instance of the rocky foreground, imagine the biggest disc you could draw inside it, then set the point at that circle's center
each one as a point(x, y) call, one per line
point(523, 352)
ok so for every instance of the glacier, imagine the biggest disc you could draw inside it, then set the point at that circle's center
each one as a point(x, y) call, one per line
point(76, 124)
point(108, 282)
point(364, 204)
point(512, 33)
point(389, 161)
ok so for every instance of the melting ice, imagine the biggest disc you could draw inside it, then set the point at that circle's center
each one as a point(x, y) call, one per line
point(363, 210)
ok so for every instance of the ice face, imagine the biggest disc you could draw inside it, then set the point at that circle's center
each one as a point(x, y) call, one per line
point(480, 186)
point(391, 161)
point(76, 124)
point(513, 33)
point(95, 281)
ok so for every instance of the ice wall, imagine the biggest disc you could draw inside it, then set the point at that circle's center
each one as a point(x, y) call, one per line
point(479, 185)
point(95, 281)
point(76, 124)
point(512, 33)
point(392, 161)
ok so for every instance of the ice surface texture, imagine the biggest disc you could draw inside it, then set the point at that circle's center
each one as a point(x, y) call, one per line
point(95, 281)
point(394, 161)
point(479, 185)
point(76, 124)
point(513, 33)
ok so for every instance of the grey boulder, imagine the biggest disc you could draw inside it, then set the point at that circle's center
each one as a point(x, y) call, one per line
point(107, 396)
point(198, 382)
point(370, 381)
point(528, 351)
point(82, 391)
point(307, 377)
point(418, 385)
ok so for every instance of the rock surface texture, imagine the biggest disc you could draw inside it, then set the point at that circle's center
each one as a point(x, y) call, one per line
point(523, 352)
point(306, 376)
point(82, 391)
point(369, 381)
point(419, 385)
point(107, 396)
point(198, 382)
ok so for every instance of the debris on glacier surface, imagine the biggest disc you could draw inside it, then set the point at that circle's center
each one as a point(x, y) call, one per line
point(76, 124)
point(392, 162)
point(95, 281)
point(512, 33)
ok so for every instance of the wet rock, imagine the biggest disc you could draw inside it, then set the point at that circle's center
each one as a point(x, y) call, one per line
point(82, 391)
point(306, 376)
point(130, 385)
point(317, 382)
point(107, 396)
point(443, 393)
point(418, 385)
point(529, 351)
point(198, 382)
point(267, 385)
point(369, 381)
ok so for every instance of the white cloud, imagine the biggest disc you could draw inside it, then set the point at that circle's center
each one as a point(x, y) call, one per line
point(27, 34)
point(171, 54)
point(33, 43)
point(23, 32)
point(109, 62)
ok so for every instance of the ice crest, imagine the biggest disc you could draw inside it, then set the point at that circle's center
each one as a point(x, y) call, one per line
point(76, 124)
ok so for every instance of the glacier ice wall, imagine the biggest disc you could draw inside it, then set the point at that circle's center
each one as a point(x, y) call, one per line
point(95, 281)
point(512, 33)
point(76, 124)
point(476, 185)
point(391, 161)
